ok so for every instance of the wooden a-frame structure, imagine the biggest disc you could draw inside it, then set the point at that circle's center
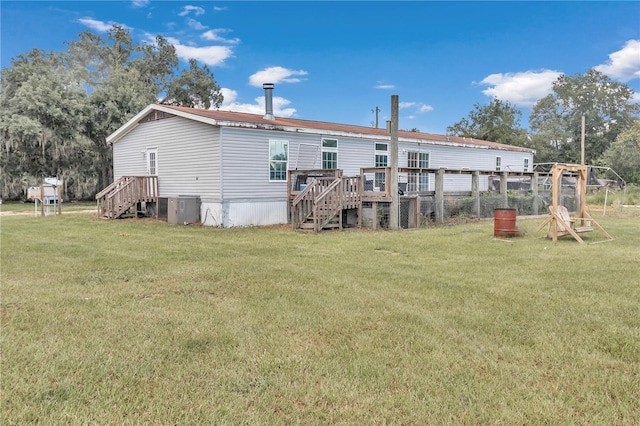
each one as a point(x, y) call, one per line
point(559, 221)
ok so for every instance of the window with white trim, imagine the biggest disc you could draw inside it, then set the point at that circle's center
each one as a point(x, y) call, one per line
point(278, 157)
point(417, 181)
point(498, 164)
point(381, 159)
point(381, 155)
point(329, 153)
point(526, 164)
point(152, 161)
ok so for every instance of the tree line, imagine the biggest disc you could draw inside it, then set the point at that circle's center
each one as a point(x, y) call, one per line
point(612, 128)
point(57, 109)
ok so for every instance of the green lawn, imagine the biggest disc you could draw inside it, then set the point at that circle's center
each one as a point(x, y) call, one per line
point(142, 322)
point(19, 207)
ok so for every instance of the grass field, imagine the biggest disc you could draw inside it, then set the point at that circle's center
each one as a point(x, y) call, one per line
point(142, 322)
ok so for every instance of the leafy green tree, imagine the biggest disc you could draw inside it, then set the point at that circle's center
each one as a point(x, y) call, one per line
point(605, 104)
point(497, 122)
point(58, 108)
point(123, 78)
point(44, 110)
point(195, 88)
point(623, 155)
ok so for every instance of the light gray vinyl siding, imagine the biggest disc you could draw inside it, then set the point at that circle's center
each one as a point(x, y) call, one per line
point(188, 156)
point(245, 159)
point(354, 154)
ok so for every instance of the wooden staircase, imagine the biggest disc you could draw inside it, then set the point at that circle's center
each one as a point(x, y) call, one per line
point(123, 196)
point(320, 205)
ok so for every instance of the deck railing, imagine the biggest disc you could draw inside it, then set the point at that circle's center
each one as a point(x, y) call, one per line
point(117, 198)
point(323, 199)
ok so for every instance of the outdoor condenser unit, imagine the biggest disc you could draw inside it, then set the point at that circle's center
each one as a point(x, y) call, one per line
point(183, 209)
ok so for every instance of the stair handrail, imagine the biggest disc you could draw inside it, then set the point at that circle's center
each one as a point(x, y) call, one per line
point(320, 221)
point(328, 189)
point(111, 187)
point(305, 192)
point(119, 196)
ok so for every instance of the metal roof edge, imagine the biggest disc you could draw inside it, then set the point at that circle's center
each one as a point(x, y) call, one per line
point(133, 123)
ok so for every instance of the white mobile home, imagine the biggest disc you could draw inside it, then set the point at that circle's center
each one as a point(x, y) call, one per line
point(237, 163)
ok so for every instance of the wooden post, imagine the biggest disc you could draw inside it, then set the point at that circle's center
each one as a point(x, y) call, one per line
point(42, 199)
point(582, 143)
point(439, 196)
point(581, 193)
point(393, 163)
point(503, 190)
point(534, 192)
point(59, 197)
point(374, 215)
point(475, 191)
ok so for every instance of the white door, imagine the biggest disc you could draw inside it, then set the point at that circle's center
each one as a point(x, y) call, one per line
point(152, 162)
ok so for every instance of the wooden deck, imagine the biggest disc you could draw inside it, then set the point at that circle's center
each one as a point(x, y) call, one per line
point(123, 196)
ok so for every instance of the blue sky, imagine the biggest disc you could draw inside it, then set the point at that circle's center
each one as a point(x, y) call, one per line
point(338, 61)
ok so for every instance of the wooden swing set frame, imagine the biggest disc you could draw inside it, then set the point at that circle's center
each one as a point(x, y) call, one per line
point(559, 221)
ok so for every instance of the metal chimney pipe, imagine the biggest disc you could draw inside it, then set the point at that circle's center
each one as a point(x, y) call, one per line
point(268, 101)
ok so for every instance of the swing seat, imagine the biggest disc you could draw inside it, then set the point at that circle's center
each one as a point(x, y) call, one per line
point(563, 214)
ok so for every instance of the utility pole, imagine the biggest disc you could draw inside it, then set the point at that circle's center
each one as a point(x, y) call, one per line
point(376, 111)
point(393, 165)
point(582, 144)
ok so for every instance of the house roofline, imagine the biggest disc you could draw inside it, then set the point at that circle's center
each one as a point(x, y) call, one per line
point(275, 126)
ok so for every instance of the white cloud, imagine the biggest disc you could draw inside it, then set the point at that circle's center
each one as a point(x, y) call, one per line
point(220, 8)
point(276, 75)
point(635, 98)
point(418, 107)
point(196, 25)
point(384, 86)
point(522, 89)
point(197, 10)
point(139, 3)
point(210, 55)
point(279, 104)
point(214, 35)
point(624, 64)
point(99, 26)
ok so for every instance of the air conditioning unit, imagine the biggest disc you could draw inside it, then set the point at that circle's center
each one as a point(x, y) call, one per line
point(183, 209)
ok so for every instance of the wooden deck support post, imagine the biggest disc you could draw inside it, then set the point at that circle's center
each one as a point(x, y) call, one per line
point(503, 189)
point(475, 191)
point(393, 164)
point(439, 195)
point(534, 192)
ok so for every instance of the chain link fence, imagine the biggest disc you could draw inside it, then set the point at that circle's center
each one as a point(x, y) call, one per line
point(420, 210)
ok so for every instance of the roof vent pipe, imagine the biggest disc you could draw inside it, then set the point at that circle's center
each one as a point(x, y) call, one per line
point(268, 101)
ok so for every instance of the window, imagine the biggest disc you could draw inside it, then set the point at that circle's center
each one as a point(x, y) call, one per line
point(380, 160)
point(381, 155)
point(418, 181)
point(152, 161)
point(278, 155)
point(498, 163)
point(329, 153)
point(526, 164)
point(418, 160)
